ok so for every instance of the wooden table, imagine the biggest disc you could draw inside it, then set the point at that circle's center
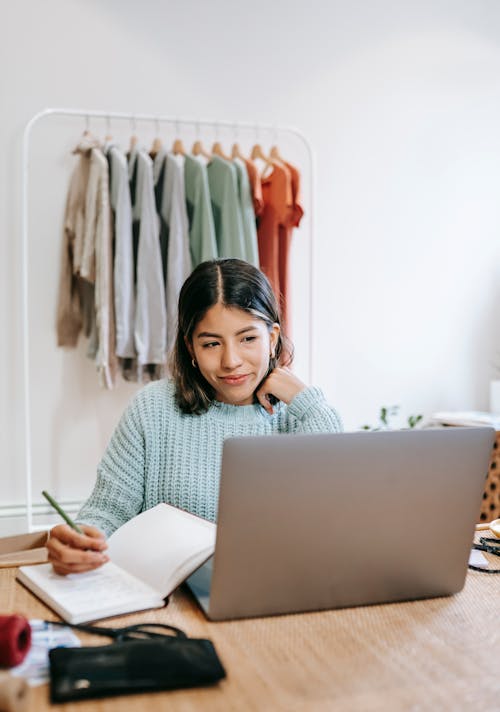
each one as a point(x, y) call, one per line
point(438, 654)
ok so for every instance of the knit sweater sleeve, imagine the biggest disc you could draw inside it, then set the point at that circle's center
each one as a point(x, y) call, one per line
point(309, 412)
point(118, 493)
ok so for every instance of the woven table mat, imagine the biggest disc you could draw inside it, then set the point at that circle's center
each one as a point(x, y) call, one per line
point(435, 654)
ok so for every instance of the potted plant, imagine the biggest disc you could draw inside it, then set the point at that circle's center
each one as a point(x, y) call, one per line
point(389, 412)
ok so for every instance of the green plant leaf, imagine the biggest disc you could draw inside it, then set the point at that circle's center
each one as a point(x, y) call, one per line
point(414, 420)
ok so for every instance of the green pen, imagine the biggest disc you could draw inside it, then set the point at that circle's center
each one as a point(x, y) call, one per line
point(61, 511)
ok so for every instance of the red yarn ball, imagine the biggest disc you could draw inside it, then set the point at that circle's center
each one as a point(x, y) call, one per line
point(15, 639)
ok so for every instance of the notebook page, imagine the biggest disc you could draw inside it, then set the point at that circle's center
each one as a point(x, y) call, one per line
point(162, 546)
point(106, 591)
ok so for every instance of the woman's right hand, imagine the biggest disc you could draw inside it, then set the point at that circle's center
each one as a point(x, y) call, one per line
point(71, 552)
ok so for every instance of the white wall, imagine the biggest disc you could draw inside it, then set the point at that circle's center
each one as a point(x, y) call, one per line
point(401, 102)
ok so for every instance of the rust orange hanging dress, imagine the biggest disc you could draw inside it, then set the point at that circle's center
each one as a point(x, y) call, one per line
point(277, 197)
point(294, 216)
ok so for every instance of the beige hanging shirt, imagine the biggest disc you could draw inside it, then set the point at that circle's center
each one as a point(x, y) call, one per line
point(86, 266)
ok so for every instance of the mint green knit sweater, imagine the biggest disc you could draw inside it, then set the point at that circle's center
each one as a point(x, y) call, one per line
point(159, 454)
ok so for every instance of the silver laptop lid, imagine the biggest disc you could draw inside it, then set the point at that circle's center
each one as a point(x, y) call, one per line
point(309, 522)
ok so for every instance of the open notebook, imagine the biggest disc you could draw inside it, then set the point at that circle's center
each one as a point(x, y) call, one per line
point(150, 556)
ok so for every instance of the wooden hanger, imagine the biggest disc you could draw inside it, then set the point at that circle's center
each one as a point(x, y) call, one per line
point(198, 150)
point(156, 146)
point(275, 155)
point(133, 139)
point(236, 152)
point(178, 147)
point(89, 135)
point(86, 141)
point(257, 152)
point(217, 150)
point(108, 137)
point(86, 131)
point(133, 142)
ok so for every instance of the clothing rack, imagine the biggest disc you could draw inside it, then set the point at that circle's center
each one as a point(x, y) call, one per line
point(133, 118)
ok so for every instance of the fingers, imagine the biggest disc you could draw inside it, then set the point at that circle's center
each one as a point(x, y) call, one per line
point(262, 396)
point(92, 538)
point(282, 384)
point(71, 552)
point(64, 569)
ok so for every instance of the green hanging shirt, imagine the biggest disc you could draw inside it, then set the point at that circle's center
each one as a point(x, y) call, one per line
point(202, 240)
point(247, 213)
point(223, 184)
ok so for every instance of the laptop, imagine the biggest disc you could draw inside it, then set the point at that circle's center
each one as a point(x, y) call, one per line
point(321, 521)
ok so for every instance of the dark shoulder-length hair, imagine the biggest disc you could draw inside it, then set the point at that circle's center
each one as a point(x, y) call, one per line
point(232, 283)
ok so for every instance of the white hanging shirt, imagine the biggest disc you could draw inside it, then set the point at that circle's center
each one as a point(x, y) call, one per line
point(150, 312)
point(96, 265)
point(174, 213)
point(124, 288)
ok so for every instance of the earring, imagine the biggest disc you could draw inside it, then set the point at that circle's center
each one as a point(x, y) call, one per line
point(193, 363)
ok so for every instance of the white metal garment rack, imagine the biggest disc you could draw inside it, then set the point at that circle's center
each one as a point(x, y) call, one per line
point(85, 114)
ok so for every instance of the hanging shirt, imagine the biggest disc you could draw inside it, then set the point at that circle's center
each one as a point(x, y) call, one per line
point(158, 177)
point(171, 204)
point(294, 217)
point(97, 265)
point(276, 192)
point(71, 301)
point(223, 184)
point(247, 213)
point(86, 285)
point(124, 289)
point(150, 312)
point(202, 240)
point(297, 211)
point(255, 186)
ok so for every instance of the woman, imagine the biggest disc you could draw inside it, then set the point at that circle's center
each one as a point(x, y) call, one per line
point(229, 378)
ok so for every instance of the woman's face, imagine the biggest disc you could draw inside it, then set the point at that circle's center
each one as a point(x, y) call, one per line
point(232, 350)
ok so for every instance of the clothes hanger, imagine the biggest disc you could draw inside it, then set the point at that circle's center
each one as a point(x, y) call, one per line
point(157, 144)
point(86, 131)
point(198, 150)
point(133, 139)
point(236, 152)
point(258, 153)
point(87, 137)
point(178, 147)
point(275, 155)
point(108, 137)
point(217, 150)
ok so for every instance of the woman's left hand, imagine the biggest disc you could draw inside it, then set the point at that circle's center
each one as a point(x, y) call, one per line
point(282, 384)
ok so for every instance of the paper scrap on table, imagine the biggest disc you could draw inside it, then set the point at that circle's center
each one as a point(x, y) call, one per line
point(476, 558)
point(44, 637)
